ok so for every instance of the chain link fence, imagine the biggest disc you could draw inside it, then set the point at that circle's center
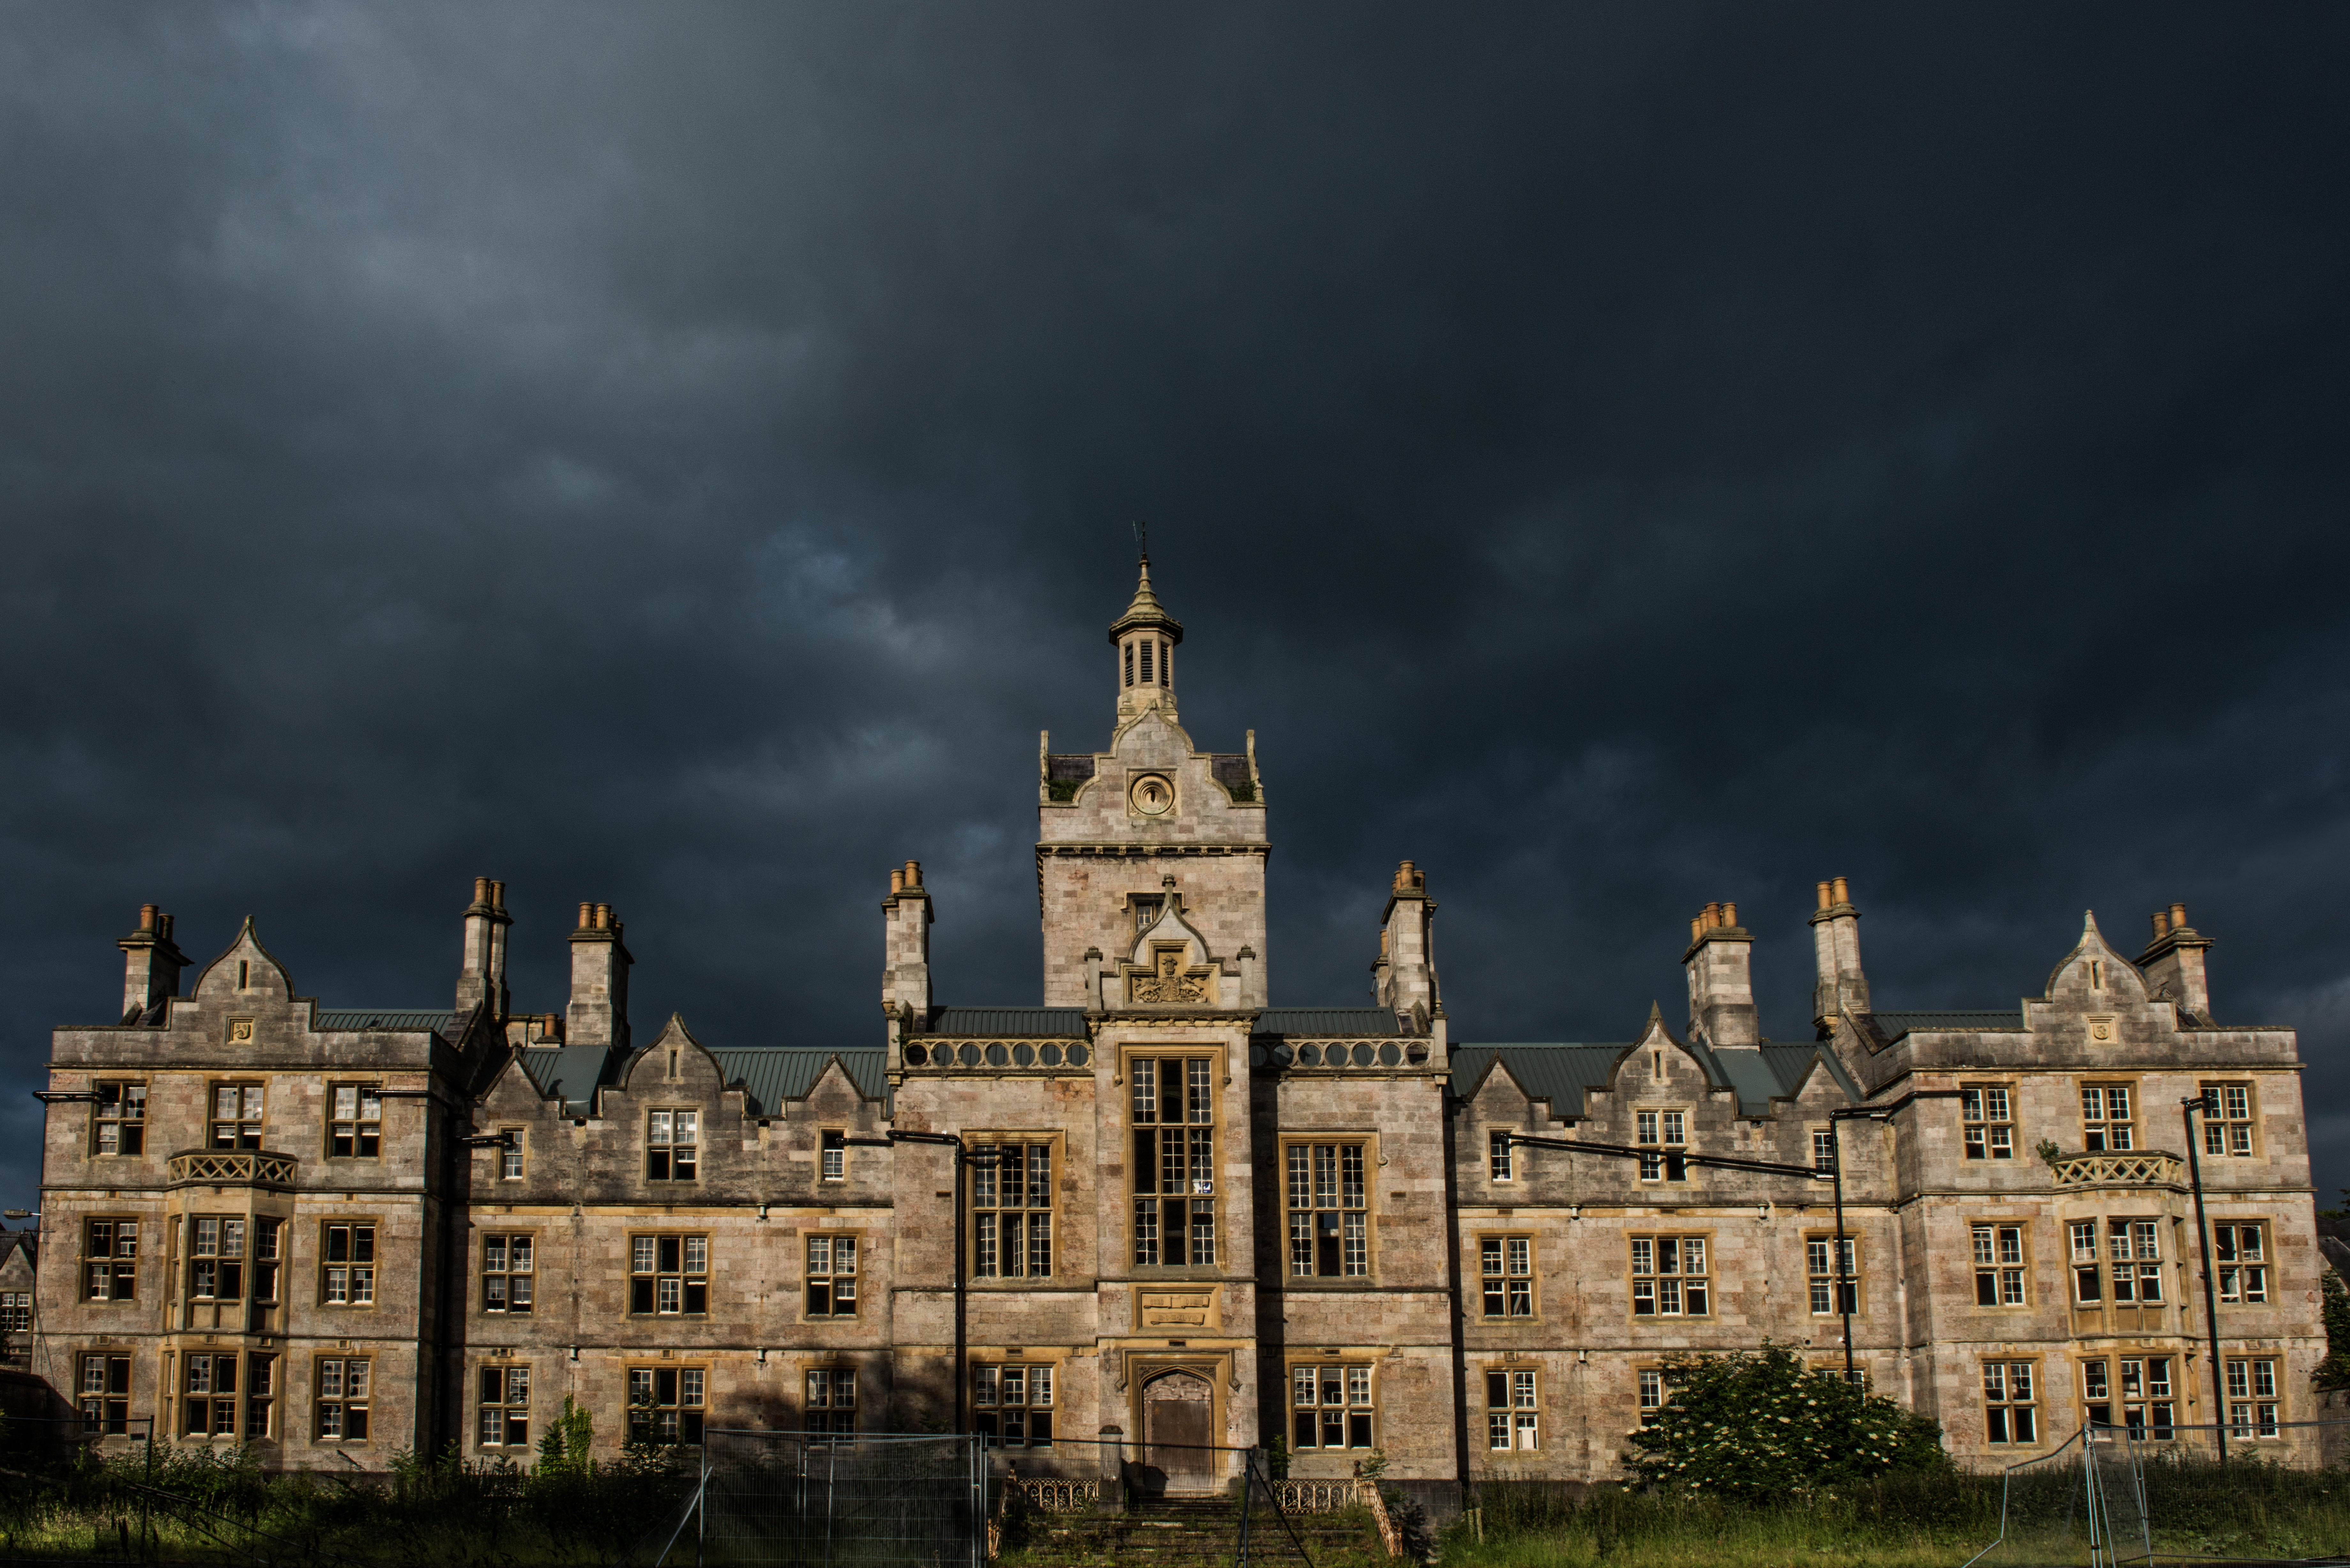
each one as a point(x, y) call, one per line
point(806, 1499)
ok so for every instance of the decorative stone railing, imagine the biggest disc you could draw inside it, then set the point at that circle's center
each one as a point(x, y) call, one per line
point(231, 1167)
point(1048, 1494)
point(2149, 1168)
point(1331, 1496)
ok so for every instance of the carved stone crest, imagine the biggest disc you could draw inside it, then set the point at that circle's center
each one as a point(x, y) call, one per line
point(1168, 983)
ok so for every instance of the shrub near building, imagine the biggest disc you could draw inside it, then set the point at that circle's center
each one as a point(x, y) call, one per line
point(1762, 1425)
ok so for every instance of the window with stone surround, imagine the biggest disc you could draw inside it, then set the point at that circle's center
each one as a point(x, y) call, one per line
point(1332, 1406)
point(1513, 1409)
point(831, 1275)
point(2108, 1125)
point(346, 1264)
point(1329, 1211)
point(2142, 1382)
point(509, 1272)
point(1499, 1163)
point(2129, 1271)
point(1011, 1212)
point(216, 1256)
point(16, 1312)
point(2002, 1265)
point(503, 1411)
point(1174, 1166)
point(1987, 1116)
point(355, 1128)
point(341, 1386)
point(831, 1401)
point(669, 1275)
point(1652, 1394)
point(110, 1261)
point(1834, 1280)
point(2228, 1119)
point(2252, 1400)
point(2240, 1256)
point(1505, 1267)
point(1662, 1136)
point(119, 1119)
point(513, 1154)
point(236, 1115)
point(832, 1155)
point(1013, 1403)
point(105, 1394)
point(673, 1145)
point(1672, 1276)
point(665, 1403)
point(2011, 1412)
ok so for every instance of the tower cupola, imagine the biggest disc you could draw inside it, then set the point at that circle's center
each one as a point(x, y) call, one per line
point(1145, 638)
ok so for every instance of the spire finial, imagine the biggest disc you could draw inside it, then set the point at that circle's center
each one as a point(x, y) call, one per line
point(1142, 542)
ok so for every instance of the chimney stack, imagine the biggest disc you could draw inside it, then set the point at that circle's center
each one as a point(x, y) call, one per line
point(1721, 979)
point(1836, 953)
point(1404, 976)
point(906, 917)
point(152, 966)
point(482, 975)
point(2173, 965)
point(599, 1013)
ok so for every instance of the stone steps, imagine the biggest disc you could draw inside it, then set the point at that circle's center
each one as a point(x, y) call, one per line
point(1194, 1532)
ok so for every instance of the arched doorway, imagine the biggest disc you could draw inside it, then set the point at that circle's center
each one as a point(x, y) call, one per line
point(1178, 1423)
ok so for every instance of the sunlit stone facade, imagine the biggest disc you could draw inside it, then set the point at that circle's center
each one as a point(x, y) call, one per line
point(1192, 1216)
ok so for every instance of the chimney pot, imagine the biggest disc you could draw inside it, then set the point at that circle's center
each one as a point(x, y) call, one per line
point(913, 873)
point(1826, 897)
point(165, 923)
point(1730, 914)
point(587, 916)
point(896, 880)
point(2161, 924)
point(2177, 916)
point(1842, 893)
point(147, 913)
point(480, 889)
point(1712, 916)
point(1696, 926)
point(603, 916)
point(497, 895)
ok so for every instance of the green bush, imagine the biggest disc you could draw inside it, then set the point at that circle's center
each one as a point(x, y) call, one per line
point(1760, 1424)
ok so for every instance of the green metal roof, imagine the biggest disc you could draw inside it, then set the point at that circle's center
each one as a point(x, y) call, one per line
point(439, 1020)
point(1557, 1073)
point(771, 1074)
point(574, 1071)
point(1056, 1022)
point(1373, 1021)
point(1896, 1025)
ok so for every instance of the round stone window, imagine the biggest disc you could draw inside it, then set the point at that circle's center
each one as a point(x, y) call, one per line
point(1153, 793)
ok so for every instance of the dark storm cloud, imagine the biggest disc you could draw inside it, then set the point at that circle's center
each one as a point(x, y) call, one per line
point(682, 457)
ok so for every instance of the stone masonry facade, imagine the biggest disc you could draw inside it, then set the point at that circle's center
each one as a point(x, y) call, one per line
point(1183, 1219)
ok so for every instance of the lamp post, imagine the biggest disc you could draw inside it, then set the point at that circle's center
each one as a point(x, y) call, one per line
point(963, 1157)
point(2186, 1110)
point(1834, 1173)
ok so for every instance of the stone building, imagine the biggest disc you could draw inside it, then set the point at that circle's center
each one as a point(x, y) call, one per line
point(1187, 1216)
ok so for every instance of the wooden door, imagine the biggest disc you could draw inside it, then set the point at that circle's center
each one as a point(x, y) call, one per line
point(1177, 1416)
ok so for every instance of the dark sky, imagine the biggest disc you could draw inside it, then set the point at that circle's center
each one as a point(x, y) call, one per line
point(680, 456)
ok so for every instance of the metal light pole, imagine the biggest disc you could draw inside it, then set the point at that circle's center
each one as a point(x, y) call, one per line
point(2186, 1110)
point(963, 1157)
